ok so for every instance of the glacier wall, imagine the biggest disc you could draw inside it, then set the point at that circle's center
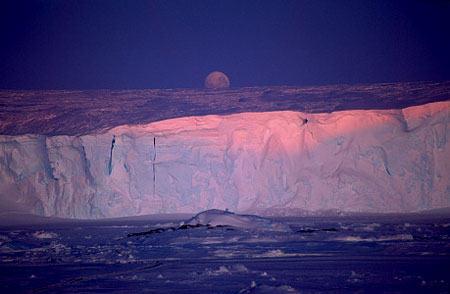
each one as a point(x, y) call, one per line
point(365, 160)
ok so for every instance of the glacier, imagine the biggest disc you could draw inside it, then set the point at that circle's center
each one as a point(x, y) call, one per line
point(392, 160)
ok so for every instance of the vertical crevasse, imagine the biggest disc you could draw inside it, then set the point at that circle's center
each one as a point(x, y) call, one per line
point(109, 168)
point(154, 162)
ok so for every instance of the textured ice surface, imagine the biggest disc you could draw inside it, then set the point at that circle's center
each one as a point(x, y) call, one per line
point(78, 112)
point(352, 254)
point(269, 162)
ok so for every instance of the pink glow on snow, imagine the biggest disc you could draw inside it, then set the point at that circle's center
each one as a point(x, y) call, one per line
point(362, 160)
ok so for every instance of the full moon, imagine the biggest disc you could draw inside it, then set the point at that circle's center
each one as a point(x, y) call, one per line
point(217, 80)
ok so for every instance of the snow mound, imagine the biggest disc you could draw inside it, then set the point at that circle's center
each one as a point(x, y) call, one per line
point(215, 217)
point(45, 235)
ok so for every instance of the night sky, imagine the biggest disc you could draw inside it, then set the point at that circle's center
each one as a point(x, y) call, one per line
point(127, 44)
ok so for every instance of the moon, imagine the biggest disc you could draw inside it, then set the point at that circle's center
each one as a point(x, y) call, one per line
point(217, 80)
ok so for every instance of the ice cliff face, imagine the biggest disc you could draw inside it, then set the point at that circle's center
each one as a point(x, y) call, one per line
point(365, 160)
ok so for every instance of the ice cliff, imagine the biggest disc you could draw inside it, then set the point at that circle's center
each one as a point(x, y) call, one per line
point(358, 160)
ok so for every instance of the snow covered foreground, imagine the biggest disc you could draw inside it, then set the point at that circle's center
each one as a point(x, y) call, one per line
point(219, 252)
point(268, 163)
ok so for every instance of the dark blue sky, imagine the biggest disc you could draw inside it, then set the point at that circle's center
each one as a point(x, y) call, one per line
point(66, 44)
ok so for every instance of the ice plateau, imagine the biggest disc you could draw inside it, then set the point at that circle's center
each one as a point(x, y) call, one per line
point(355, 160)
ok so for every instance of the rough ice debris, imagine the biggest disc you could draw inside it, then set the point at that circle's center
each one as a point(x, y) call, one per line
point(367, 160)
point(267, 289)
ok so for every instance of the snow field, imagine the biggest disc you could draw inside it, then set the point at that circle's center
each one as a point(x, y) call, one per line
point(334, 255)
